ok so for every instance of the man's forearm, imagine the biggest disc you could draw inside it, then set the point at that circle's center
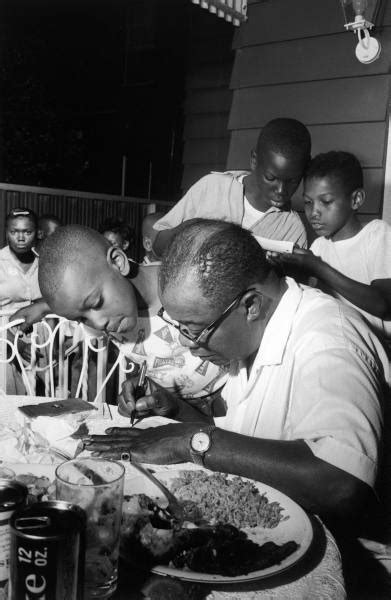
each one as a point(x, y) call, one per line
point(290, 467)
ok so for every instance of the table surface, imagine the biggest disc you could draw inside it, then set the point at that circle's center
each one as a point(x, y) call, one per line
point(317, 575)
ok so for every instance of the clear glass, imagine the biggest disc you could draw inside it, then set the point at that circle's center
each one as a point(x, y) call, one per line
point(96, 485)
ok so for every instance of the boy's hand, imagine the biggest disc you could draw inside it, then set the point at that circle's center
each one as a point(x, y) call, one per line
point(300, 257)
point(33, 313)
point(160, 402)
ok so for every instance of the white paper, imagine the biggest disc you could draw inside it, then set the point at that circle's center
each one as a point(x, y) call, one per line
point(275, 245)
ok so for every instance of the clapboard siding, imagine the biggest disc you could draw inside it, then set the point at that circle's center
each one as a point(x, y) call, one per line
point(331, 101)
point(366, 140)
point(296, 60)
point(304, 60)
point(280, 20)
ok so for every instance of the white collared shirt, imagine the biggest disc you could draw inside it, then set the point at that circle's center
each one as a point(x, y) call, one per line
point(317, 377)
point(17, 287)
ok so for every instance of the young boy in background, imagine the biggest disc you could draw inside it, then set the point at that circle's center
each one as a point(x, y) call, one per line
point(350, 260)
point(259, 199)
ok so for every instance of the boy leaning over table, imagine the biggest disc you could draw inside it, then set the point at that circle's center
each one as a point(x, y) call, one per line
point(305, 389)
point(88, 280)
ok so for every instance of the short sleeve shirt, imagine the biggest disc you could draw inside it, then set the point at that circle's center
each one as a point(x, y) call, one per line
point(17, 287)
point(364, 257)
point(318, 377)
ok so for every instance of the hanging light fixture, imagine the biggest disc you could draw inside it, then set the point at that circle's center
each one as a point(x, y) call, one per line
point(358, 15)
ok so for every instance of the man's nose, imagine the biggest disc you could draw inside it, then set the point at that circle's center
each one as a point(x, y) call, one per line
point(282, 187)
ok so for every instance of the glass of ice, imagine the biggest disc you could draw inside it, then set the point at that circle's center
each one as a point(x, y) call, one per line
point(96, 485)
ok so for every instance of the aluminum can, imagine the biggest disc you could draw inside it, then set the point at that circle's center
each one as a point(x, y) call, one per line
point(12, 496)
point(47, 552)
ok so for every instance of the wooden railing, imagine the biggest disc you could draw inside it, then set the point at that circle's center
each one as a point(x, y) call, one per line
point(83, 208)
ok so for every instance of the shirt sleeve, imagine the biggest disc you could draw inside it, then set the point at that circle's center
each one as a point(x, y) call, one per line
point(190, 206)
point(379, 251)
point(336, 411)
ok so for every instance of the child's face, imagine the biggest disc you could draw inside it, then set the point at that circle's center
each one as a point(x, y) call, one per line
point(21, 234)
point(99, 296)
point(277, 177)
point(328, 208)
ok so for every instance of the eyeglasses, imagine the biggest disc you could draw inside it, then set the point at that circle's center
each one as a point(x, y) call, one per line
point(202, 337)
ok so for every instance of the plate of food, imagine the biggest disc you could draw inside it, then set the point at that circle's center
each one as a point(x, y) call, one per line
point(234, 529)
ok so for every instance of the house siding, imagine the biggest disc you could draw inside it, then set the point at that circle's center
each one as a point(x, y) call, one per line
point(296, 60)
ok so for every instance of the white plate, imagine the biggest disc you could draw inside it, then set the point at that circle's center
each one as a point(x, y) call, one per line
point(297, 527)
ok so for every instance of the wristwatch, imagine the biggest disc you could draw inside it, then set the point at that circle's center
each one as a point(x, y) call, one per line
point(200, 442)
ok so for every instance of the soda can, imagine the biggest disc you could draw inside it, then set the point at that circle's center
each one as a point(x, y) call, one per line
point(47, 552)
point(12, 496)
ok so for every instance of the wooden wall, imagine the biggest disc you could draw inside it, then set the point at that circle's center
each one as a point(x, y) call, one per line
point(294, 59)
point(208, 97)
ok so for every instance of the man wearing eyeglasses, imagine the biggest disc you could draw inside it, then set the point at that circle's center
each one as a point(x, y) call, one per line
point(303, 395)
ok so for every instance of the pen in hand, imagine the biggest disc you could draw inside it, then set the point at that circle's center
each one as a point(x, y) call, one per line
point(140, 389)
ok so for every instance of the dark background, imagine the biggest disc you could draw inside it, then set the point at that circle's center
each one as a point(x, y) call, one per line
point(84, 84)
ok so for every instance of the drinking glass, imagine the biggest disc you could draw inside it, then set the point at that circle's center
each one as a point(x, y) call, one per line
point(96, 485)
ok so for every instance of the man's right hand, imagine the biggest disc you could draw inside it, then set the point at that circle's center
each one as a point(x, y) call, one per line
point(33, 313)
point(160, 402)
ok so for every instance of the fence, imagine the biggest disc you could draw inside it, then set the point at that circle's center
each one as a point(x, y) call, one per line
point(83, 208)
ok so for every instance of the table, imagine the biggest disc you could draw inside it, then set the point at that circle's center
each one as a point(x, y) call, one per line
point(317, 575)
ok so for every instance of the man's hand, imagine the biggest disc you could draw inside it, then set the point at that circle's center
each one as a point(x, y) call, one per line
point(33, 313)
point(167, 444)
point(160, 402)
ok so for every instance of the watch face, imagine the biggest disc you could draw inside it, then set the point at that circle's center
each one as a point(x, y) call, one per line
point(200, 441)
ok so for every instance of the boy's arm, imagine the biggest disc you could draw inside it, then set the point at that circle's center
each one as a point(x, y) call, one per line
point(374, 298)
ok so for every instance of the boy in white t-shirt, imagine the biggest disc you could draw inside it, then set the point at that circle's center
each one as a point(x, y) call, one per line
point(350, 260)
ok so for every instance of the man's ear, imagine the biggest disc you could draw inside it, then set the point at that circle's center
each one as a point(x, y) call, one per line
point(254, 305)
point(147, 243)
point(117, 259)
point(253, 160)
point(357, 198)
point(39, 234)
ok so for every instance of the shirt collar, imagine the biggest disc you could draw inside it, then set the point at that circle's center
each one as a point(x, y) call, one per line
point(276, 334)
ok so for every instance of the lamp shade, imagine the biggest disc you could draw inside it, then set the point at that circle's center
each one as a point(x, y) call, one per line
point(358, 10)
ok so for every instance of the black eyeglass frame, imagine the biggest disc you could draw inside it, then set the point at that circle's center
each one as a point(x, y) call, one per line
point(202, 337)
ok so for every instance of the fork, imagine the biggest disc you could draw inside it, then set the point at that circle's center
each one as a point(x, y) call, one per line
point(173, 504)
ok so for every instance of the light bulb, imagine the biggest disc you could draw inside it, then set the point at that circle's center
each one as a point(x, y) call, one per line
point(359, 7)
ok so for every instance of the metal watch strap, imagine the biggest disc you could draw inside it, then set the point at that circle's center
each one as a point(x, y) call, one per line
point(198, 457)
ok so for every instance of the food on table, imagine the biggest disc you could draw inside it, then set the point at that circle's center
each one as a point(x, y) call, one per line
point(40, 488)
point(209, 541)
point(227, 500)
point(225, 550)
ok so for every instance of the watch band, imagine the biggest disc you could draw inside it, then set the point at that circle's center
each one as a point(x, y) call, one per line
point(197, 456)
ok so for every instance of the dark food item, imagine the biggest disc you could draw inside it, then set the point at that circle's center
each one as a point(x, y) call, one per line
point(225, 550)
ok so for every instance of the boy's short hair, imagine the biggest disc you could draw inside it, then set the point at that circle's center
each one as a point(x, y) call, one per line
point(285, 136)
point(22, 212)
point(343, 166)
point(118, 225)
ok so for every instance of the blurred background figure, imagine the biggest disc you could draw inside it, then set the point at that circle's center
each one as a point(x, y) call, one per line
point(149, 234)
point(118, 233)
point(47, 224)
point(19, 280)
